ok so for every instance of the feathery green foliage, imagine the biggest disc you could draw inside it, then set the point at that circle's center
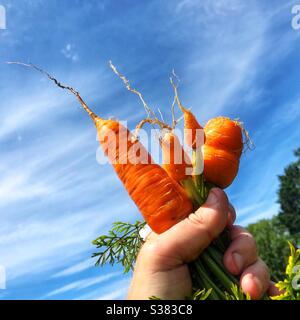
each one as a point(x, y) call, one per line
point(121, 245)
point(291, 284)
point(236, 294)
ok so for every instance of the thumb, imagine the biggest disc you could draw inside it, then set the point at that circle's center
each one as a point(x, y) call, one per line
point(187, 239)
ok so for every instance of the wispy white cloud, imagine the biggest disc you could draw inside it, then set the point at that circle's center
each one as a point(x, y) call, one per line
point(260, 214)
point(118, 294)
point(209, 8)
point(28, 111)
point(81, 266)
point(42, 243)
point(116, 290)
point(228, 63)
point(82, 284)
point(15, 188)
point(69, 52)
point(250, 209)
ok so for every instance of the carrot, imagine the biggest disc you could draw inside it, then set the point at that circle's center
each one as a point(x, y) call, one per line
point(176, 161)
point(159, 198)
point(222, 132)
point(193, 131)
point(222, 150)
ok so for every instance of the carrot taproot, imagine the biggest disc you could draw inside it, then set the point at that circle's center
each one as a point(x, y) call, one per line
point(193, 131)
point(175, 160)
point(177, 163)
point(222, 150)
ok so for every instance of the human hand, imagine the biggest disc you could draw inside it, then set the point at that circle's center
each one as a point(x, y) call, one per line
point(162, 264)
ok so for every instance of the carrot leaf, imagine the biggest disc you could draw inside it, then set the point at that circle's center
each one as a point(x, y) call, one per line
point(120, 245)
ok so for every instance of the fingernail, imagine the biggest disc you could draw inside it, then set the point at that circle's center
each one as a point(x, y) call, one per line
point(238, 261)
point(212, 199)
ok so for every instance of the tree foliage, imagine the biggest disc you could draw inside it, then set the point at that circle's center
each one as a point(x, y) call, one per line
point(272, 245)
point(289, 196)
point(272, 235)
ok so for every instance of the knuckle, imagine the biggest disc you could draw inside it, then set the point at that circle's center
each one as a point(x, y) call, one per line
point(198, 221)
point(209, 220)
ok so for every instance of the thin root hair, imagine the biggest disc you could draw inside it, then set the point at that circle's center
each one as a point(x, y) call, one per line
point(60, 85)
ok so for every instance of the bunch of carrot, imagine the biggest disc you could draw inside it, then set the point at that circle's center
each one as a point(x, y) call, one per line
point(159, 192)
point(167, 194)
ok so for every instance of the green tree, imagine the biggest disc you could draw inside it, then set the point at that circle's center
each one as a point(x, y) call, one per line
point(273, 248)
point(289, 196)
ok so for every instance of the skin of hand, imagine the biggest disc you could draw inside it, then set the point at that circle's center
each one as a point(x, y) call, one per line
point(161, 268)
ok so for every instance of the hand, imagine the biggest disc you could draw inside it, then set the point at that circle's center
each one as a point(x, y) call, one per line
point(161, 268)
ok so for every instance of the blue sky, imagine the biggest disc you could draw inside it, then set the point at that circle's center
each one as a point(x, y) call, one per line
point(235, 58)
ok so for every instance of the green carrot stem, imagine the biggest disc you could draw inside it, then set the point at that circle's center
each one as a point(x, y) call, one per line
point(216, 294)
point(223, 241)
point(218, 258)
point(192, 192)
point(201, 186)
point(196, 279)
point(217, 271)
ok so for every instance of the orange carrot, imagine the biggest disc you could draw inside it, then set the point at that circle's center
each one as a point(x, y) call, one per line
point(222, 150)
point(193, 131)
point(222, 132)
point(223, 146)
point(160, 199)
point(176, 161)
